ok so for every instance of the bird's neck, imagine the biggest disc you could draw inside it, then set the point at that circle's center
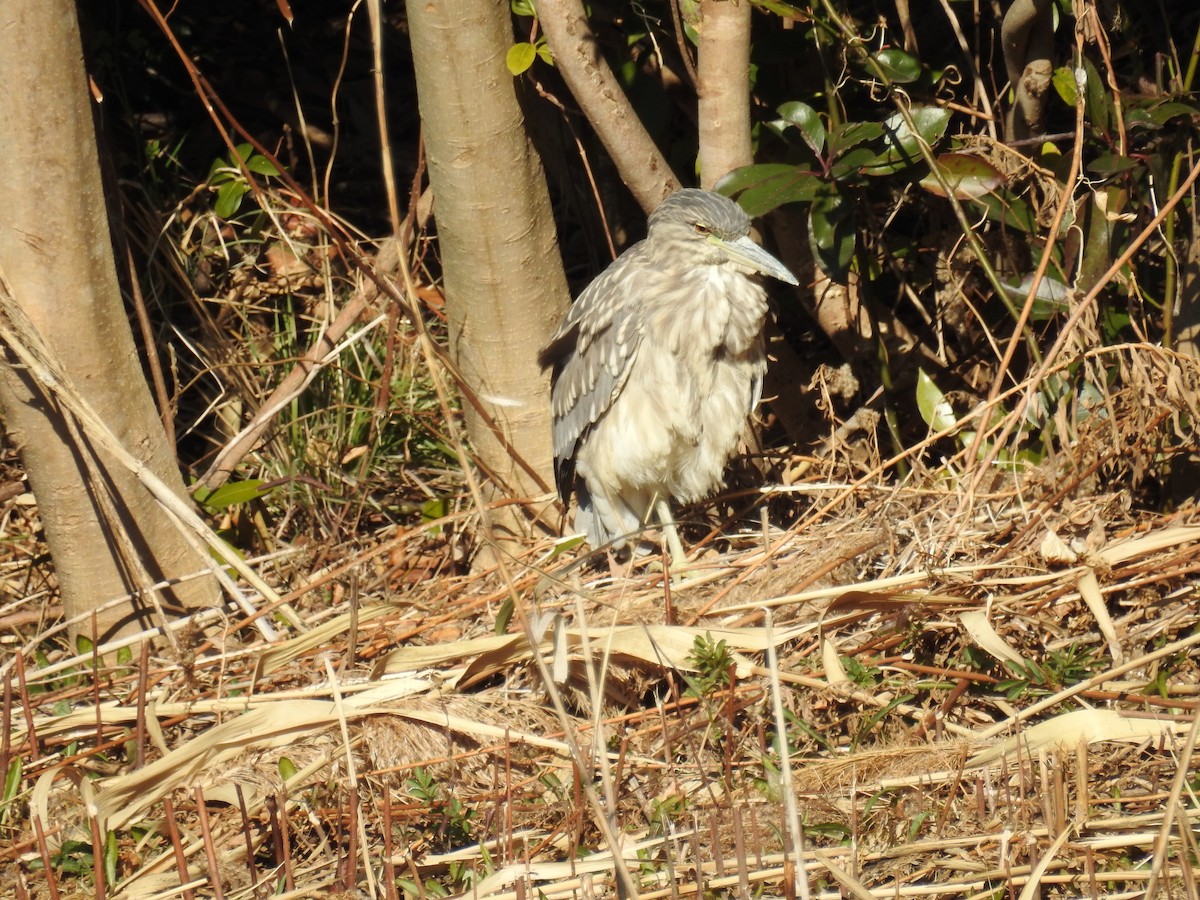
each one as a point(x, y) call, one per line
point(723, 310)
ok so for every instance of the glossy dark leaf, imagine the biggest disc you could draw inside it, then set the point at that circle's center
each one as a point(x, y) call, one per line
point(831, 235)
point(1107, 164)
point(903, 146)
point(853, 162)
point(1100, 109)
point(747, 176)
point(1004, 206)
point(853, 134)
point(806, 119)
point(1161, 113)
point(760, 189)
point(900, 67)
point(797, 186)
point(784, 10)
point(931, 122)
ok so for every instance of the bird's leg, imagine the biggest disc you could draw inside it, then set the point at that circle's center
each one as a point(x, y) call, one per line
point(662, 508)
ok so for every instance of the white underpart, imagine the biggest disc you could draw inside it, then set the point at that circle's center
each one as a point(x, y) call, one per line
point(682, 408)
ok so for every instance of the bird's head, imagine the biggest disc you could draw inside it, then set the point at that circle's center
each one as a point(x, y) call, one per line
point(696, 227)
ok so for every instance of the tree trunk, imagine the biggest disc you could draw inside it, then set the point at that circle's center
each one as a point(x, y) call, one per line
point(56, 255)
point(505, 286)
point(723, 88)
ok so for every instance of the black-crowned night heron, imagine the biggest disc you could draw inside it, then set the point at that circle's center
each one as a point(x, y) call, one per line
point(657, 367)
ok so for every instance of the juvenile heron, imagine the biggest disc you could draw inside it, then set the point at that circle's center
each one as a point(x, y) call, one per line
point(657, 367)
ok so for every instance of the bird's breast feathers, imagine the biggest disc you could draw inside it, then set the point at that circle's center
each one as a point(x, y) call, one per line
point(713, 309)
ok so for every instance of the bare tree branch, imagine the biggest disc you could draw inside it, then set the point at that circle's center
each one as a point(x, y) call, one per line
point(642, 166)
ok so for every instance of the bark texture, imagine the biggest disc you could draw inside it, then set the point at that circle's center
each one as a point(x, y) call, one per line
point(504, 281)
point(56, 254)
point(723, 68)
point(1027, 35)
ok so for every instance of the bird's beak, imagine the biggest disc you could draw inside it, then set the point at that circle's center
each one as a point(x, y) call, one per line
point(749, 254)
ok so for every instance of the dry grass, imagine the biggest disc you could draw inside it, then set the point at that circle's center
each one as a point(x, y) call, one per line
point(983, 673)
point(973, 709)
point(987, 685)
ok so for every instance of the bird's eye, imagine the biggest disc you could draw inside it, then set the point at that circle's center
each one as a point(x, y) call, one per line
point(701, 228)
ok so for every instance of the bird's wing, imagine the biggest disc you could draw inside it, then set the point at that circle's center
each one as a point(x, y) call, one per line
point(592, 354)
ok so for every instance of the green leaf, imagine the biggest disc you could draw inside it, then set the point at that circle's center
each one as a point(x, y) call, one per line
point(968, 177)
point(1115, 321)
point(1099, 107)
point(903, 146)
point(853, 147)
point(432, 510)
point(1163, 112)
point(796, 186)
point(1004, 206)
point(1108, 164)
point(227, 552)
point(1052, 296)
point(783, 10)
point(833, 830)
point(521, 8)
point(73, 858)
point(110, 857)
point(900, 67)
point(12, 786)
point(747, 176)
point(931, 122)
point(229, 198)
point(215, 175)
point(763, 188)
point(1065, 86)
point(504, 616)
point(260, 165)
point(287, 769)
point(566, 544)
point(232, 493)
point(935, 409)
point(853, 163)
point(520, 57)
point(808, 121)
point(831, 235)
point(854, 134)
point(914, 827)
